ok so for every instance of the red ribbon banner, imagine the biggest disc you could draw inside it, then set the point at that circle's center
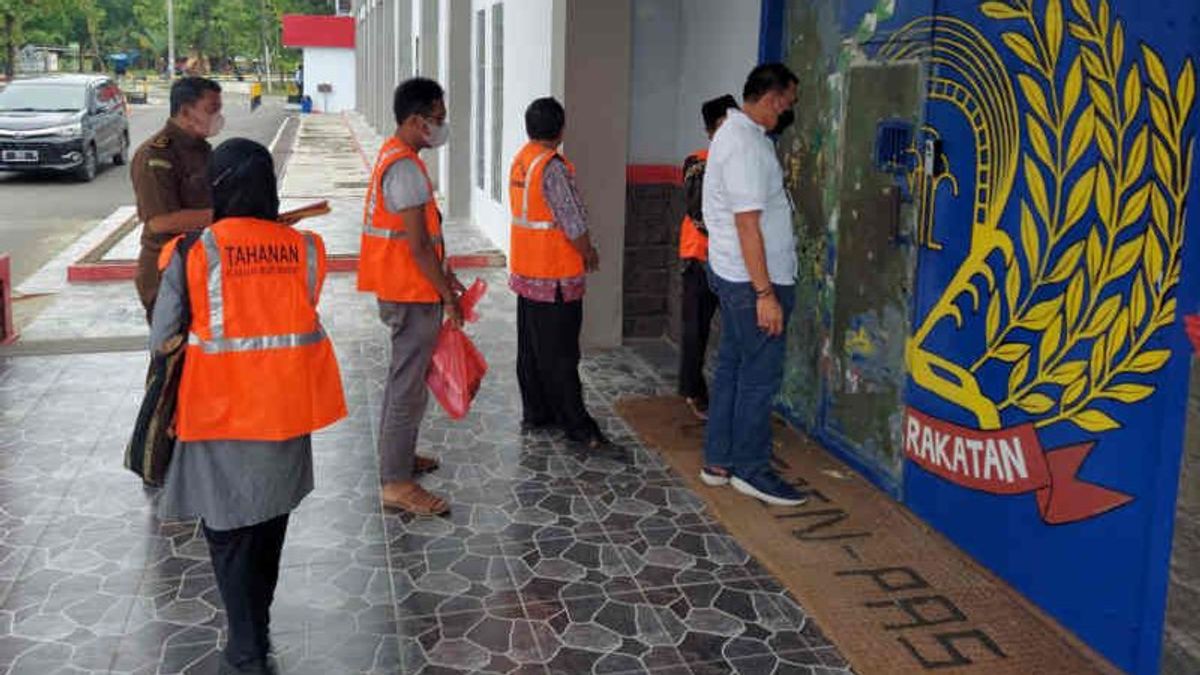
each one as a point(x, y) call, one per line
point(1009, 462)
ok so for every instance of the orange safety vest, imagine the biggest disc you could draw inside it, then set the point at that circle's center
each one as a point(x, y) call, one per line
point(692, 242)
point(385, 265)
point(539, 249)
point(258, 365)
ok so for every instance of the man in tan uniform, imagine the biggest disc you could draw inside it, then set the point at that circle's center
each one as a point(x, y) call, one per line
point(169, 173)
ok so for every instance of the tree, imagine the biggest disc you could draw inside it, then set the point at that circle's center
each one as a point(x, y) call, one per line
point(119, 32)
point(17, 15)
point(93, 16)
point(220, 29)
point(13, 15)
point(150, 27)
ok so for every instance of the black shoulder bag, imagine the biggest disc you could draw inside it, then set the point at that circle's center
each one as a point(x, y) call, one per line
point(149, 451)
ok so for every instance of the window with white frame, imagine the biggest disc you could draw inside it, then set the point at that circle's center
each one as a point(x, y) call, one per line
point(497, 121)
point(480, 90)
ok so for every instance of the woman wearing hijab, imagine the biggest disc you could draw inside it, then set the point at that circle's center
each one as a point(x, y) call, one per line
point(259, 377)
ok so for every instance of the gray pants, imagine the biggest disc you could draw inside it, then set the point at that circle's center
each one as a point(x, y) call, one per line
point(415, 330)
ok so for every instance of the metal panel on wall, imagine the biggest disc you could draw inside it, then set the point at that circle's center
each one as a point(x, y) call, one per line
point(845, 377)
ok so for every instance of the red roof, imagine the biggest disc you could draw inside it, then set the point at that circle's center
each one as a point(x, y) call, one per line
point(300, 30)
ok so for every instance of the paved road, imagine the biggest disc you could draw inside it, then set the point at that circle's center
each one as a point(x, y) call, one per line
point(42, 214)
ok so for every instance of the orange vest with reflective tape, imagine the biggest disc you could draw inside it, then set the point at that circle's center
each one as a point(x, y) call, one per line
point(692, 242)
point(386, 266)
point(258, 364)
point(539, 249)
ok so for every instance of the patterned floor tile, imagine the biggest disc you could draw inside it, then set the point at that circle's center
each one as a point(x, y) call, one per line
point(552, 560)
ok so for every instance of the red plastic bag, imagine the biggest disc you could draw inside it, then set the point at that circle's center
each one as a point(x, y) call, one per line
point(457, 371)
point(470, 298)
point(458, 368)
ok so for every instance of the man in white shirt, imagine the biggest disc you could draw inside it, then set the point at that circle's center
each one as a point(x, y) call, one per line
point(752, 265)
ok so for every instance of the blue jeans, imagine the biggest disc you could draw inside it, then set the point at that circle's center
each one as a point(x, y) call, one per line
point(749, 372)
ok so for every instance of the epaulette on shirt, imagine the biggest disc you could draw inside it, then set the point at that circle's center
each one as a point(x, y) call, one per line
point(161, 142)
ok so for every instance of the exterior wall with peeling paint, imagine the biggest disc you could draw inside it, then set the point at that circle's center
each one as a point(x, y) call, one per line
point(989, 324)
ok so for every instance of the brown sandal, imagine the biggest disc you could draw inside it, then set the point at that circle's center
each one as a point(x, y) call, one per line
point(413, 498)
point(423, 464)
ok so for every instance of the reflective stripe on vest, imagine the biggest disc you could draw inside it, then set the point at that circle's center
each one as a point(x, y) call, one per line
point(523, 219)
point(219, 344)
point(384, 233)
point(369, 228)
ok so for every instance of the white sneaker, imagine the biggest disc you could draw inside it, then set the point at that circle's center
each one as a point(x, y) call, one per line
point(713, 479)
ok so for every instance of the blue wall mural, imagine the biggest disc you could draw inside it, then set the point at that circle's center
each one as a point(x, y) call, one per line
point(1047, 255)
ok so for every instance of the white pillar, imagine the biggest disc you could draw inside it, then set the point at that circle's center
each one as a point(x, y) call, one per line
point(596, 83)
point(454, 72)
point(426, 26)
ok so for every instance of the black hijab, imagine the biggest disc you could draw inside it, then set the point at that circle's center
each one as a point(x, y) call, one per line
point(241, 175)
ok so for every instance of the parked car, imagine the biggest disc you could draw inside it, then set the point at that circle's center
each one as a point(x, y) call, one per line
point(63, 123)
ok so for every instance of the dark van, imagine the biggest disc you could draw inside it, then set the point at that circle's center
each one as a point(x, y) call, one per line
point(63, 123)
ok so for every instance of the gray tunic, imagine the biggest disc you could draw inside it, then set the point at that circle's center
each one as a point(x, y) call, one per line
point(404, 186)
point(230, 484)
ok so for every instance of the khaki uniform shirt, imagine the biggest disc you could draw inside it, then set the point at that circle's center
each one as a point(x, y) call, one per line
point(170, 173)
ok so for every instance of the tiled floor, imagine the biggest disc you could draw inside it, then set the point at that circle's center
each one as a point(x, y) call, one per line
point(554, 560)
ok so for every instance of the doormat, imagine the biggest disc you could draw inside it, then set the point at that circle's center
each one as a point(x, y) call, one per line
point(894, 596)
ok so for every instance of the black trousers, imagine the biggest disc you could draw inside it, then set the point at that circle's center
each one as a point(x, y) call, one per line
point(548, 365)
point(246, 563)
point(699, 305)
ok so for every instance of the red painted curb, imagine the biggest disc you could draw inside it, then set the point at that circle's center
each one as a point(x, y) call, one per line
point(8, 331)
point(349, 263)
point(653, 174)
point(124, 270)
point(341, 263)
point(102, 271)
point(478, 261)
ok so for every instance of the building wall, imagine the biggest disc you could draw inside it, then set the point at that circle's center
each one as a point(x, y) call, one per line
point(425, 41)
point(684, 52)
point(384, 57)
point(454, 72)
point(333, 66)
point(653, 201)
point(654, 80)
point(719, 48)
point(653, 211)
point(588, 72)
point(597, 98)
point(1026, 295)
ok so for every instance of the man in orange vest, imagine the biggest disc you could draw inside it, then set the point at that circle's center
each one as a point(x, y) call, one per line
point(403, 262)
point(698, 303)
point(550, 254)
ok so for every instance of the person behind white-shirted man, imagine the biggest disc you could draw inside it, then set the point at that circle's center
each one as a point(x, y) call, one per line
point(403, 262)
point(752, 265)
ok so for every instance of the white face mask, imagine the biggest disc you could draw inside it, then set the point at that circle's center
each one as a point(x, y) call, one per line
point(437, 135)
point(215, 124)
